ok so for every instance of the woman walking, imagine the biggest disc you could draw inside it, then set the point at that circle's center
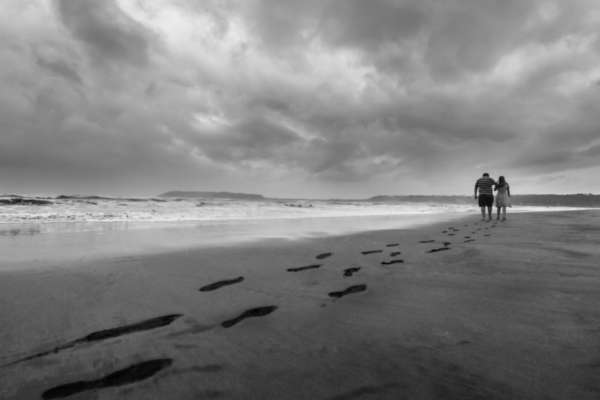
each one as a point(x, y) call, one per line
point(503, 197)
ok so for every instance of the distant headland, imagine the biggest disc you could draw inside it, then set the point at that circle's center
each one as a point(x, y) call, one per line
point(212, 195)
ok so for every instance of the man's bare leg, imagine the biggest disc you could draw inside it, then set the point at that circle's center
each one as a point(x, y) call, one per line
point(490, 213)
point(483, 213)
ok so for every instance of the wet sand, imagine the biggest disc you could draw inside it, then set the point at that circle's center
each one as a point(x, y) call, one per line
point(459, 310)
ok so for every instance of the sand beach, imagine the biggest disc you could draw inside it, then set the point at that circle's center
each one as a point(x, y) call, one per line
point(450, 310)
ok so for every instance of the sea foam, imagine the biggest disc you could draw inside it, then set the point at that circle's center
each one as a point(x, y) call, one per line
point(96, 209)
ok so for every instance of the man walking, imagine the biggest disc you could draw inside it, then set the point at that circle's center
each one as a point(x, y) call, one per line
point(486, 194)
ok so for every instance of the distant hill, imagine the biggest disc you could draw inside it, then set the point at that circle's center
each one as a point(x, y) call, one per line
point(549, 200)
point(212, 195)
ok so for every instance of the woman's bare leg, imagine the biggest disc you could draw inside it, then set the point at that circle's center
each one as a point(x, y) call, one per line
point(498, 213)
point(503, 213)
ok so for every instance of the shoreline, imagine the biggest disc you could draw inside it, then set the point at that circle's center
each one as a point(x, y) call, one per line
point(510, 315)
point(43, 245)
point(77, 242)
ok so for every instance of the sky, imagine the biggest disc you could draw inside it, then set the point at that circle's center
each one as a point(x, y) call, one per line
point(309, 99)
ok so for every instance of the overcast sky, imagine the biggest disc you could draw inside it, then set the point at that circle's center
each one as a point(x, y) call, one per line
point(289, 98)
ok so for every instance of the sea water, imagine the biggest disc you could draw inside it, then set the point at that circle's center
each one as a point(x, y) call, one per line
point(96, 209)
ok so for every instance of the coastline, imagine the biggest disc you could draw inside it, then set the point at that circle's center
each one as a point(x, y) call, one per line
point(50, 245)
point(510, 315)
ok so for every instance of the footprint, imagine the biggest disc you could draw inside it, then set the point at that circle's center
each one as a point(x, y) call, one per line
point(392, 245)
point(324, 255)
point(109, 333)
point(253, 312)
point(134, 373)
point(392, 262)
point(146, 325)
point(447, 243)
point(457, 230)
point(470, 240)
point(350, 290)
point(350, 271)
point(451, 234)
point(486, 235)
point(467, 237)
point(396, 253)
point(304, 268)
point(444, 231)
point(427, 241)
point(372, 252)
point(220, 284)
point(440, 249)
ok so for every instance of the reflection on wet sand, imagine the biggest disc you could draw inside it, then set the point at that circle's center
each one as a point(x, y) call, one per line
point(47, 244)
point(26, 231)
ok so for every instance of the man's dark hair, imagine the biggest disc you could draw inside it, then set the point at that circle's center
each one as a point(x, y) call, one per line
point(486, 174)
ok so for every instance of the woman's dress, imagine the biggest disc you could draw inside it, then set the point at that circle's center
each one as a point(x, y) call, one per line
point(502, 198)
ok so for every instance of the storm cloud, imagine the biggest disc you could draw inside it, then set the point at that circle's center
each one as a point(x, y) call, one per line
point(339, 98)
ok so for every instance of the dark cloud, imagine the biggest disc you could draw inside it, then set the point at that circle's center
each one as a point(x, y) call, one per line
point(107, 32)
point(150, 89)
point(471, 36)
point(333, 154)
point(60, 68)
point(550, 159)
point(593, 151)
point(343, 23)
point(372, 25)
point(335, 98)
point(253, 138)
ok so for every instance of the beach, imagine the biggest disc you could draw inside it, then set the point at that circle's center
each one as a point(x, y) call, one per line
point(459, 309)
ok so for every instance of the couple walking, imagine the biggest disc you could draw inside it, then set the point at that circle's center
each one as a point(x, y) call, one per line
point(486, 195)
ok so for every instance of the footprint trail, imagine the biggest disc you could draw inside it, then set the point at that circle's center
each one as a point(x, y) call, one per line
point(108, 334)
point(371, 252)
point(323, 256)
point(350, 271)
point(440, 249)
point(253, 312)
point(392, 262)
point(134, 373)
point(220, 284)
point(350, 290)
point(304, 268)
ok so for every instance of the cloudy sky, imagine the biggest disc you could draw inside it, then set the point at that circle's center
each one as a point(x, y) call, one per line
point(288, 98)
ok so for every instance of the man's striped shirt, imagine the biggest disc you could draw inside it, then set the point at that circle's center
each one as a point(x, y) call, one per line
point(485, 185)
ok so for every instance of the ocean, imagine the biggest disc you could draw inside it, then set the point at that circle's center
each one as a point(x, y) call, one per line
point(116, 209)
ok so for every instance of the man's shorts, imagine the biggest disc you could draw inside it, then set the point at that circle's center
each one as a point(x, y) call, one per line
point(486, 200)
